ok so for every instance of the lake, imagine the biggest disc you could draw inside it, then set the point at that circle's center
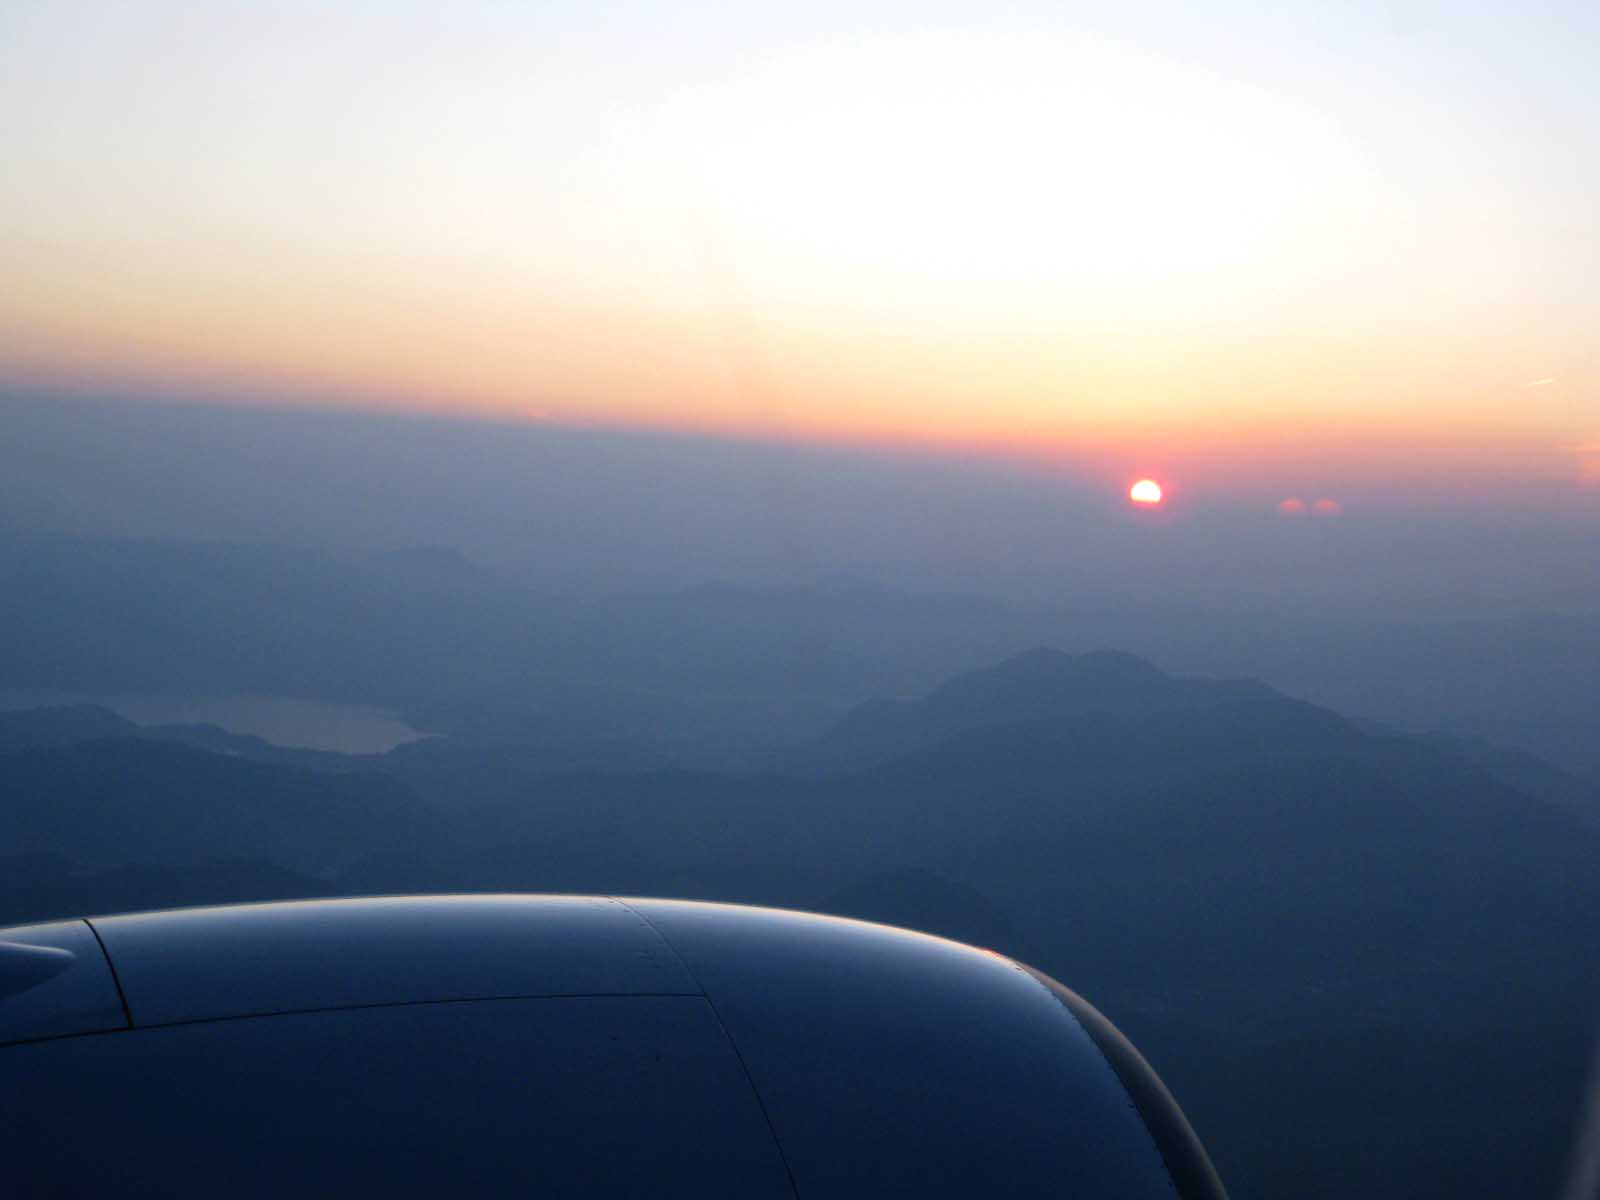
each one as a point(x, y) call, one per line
point(282, 720)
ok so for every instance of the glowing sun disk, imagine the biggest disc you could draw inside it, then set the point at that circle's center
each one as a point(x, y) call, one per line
point(1146, 491)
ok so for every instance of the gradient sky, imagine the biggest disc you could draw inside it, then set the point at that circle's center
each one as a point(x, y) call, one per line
point(1172, 238)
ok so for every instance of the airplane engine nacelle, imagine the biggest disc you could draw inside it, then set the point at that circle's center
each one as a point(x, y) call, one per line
point(560, 1046)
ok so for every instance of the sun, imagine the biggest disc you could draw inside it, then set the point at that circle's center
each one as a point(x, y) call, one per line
point(1146, 492)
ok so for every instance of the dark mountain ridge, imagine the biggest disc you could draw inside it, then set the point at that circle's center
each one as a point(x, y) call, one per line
point(1037, 687)
point(60, 725)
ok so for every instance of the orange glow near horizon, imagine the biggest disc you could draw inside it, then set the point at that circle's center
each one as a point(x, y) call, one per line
point(1215, 460)
point(458, 349)
point(1206, 273)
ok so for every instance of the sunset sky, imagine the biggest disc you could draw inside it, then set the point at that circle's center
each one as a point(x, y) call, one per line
point(1161, 237)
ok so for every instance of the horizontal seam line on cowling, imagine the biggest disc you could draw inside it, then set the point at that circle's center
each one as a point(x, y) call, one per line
point(59, 1037)
point(320, 1008)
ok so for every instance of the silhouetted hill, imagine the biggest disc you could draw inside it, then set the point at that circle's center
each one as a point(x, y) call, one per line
point(1045, 683)
point(1037, 687)
point(438, 769)
point(60, 725)
point(1262, 881)
point(213, 618)
point(1182, 810)
point(216, 740)
point(141, 801)
point(457, 769)
point(56, 726)
point(1526, 773)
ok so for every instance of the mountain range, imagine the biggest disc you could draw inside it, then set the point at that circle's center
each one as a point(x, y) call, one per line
point(1257, 888)
point(716, 675)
